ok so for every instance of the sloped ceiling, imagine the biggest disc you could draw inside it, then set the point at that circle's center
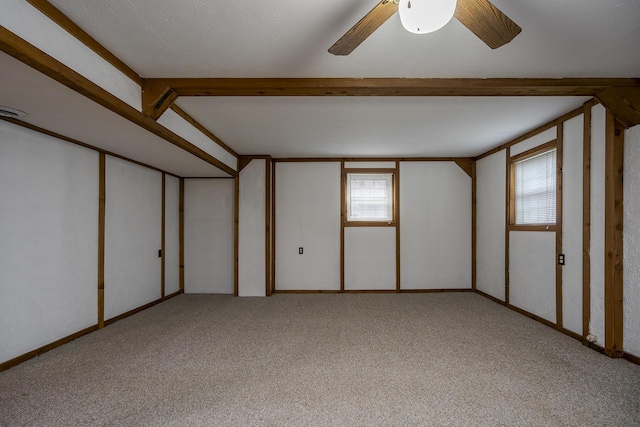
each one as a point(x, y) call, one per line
point(288, 38)
point(58, 109)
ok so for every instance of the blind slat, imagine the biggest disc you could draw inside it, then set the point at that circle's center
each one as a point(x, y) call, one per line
point(369, 196)
point(535, 189)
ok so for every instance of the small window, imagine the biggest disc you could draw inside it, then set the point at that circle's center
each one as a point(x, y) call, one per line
point(369, 197)
point(534, 187)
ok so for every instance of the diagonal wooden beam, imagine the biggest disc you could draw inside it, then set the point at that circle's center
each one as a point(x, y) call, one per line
point(72, 28)
point(202, 129)
point(623, 103)
point(466, 165)
point(30, 55)
point(156, 100)
point(388, 86)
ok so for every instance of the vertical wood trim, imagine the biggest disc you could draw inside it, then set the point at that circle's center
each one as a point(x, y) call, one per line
point(102, 187)
point(613, 219)
point(509, 203)
point(559, 179)
point(343, 217)
point(236, 234)
point(273, 227)
point(162, 242)
point(396, 200)
point(181, 233)
point(586, 224)
point(473, 225)
point(267, 235)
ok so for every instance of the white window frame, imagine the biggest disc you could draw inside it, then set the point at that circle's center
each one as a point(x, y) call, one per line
point(387, 175)
point(515, 220)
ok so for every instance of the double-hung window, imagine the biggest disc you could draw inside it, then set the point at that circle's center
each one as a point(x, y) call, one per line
point(369, 197)
point(533, 189)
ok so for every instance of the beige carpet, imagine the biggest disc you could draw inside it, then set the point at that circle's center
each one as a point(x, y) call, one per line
point(329, 359)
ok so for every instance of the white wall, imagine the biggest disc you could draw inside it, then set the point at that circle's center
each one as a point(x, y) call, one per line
point(369, 258)
point(172, 235)
point(208, 228)
point(532, 256)
point(435, 222)
point(598, 115)
point(490, 224)
point(532, 272)
point(435, 226)
point(572, 168)
point(252, 229)
point(48, 243)
point(133, 234)
point(307, 201)
point(370, 165)
point(534, 141)
point(631, 239)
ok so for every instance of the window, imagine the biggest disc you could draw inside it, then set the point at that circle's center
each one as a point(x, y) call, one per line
point(369, 197)
point(534, 189)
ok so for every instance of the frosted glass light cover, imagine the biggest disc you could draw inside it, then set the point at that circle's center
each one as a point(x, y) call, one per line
point(425, 16)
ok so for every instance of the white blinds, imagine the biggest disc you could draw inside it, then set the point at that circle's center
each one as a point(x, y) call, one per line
point(535, 189)
point(369, 196)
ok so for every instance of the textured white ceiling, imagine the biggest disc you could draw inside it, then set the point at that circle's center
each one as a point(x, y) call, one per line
point(288, 38)
point(373, 126)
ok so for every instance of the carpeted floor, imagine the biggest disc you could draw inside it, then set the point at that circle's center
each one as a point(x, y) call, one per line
point(323, 359)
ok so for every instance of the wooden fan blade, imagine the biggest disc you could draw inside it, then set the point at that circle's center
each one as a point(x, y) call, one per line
point(487, 22)
point(364, 28)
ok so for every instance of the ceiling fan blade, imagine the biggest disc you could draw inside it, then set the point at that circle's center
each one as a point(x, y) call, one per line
point(487, 22)
point(364, 28)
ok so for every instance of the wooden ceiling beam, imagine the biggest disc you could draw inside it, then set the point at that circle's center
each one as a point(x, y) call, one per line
point(156, 100)
point(72, 28)
point(388, 86)
point(30, 55)
point(623, 103)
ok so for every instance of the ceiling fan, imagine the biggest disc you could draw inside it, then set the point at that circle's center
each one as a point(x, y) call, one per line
point(480, 16)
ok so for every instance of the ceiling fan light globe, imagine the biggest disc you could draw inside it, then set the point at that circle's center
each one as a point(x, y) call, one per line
point(425, 16)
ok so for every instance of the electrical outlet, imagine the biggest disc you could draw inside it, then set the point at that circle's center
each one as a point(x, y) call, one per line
point(300, 250)
point(561, 259)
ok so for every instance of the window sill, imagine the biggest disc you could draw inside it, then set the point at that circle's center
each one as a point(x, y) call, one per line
point(548, 227)
point(370, 224)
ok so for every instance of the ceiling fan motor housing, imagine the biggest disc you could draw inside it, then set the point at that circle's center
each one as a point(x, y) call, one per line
point(425, 16)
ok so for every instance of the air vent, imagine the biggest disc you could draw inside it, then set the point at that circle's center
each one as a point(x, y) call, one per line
point(11, 112)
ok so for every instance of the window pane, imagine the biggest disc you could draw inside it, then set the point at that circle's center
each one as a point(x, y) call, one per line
point(535, 189)
point(369, 197)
